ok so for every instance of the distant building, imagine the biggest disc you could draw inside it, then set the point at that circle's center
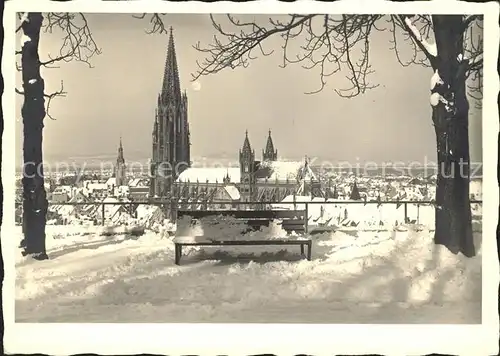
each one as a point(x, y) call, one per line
point(355, 193)
point(60, 195)
point(119, 169)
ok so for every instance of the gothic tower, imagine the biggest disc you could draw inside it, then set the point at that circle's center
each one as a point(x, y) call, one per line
point(247, 170)
point(171, 139)
point(270, 154)
point(120, 167)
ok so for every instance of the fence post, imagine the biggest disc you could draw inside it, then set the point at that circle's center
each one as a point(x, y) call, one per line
point(172, 209)
point(102, 212)
point(406, 212)
point(306, 218)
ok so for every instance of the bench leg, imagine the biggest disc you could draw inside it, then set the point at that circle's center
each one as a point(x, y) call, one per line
point(309, 247)
point(178, 253)
point(302, 250)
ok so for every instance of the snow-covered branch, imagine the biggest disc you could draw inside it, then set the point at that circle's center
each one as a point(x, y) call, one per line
point(24, 18)
point(430, 49)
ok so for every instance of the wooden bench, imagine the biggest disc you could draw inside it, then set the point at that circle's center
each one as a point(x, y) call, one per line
point(290, 221)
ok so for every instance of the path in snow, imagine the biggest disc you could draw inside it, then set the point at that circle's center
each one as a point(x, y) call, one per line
point(387, 277)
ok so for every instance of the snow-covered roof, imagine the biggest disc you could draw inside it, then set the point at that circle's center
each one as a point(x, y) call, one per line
point(63, 210)
point(291, 170)
point(78, 197)
point(203, 174)
point(62, 189)
point(111, 181)
point(96, 186)
point(283, 170)
point(134, 182)
point(233, 192)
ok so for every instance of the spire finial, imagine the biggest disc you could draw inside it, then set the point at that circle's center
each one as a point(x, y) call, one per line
point(171, 84)
point(269, 132)
point(246, 133)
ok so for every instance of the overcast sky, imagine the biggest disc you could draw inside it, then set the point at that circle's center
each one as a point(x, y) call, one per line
point(118, 97)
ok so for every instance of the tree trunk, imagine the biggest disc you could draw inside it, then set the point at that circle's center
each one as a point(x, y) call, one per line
point(33, 112)
point(450, 116)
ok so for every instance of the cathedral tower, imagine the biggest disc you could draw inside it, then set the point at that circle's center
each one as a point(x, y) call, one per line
point(270, 154)
point(120, 167)
point(171, 139)
point(247, 170)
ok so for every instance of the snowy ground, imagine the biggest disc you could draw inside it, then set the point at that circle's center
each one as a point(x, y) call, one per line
point(363, 277)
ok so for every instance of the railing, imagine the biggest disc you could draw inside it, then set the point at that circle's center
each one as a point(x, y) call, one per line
point(172, 206)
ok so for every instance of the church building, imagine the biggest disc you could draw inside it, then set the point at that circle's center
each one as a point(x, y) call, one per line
point(171, 139)
point(254, 180)
point(119, 169)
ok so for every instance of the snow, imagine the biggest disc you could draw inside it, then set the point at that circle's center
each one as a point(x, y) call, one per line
point(216, 174)
point(436, 98)
point(111, 182)
point(283, 170)
point(224, 228)
point(24, 17)
point(370, 277)
point(25, 39)
point(430, 47)
point(476, 59)
point(413, 28)
point(436, 80)
point(233, 192)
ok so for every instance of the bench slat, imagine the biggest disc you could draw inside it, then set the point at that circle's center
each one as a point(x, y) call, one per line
point(205, 242)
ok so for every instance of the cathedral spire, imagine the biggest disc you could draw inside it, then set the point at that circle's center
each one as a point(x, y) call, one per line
point(119, 169)
point(247, 149)
point(270, 154)
point(120, 157)
point(171, 88)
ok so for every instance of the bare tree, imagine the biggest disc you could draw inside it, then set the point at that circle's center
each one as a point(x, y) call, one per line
point(77, 45)
point(451, 45)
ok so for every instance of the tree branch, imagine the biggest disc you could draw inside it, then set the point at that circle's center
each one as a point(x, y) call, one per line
point(157, 25)
point(77, 43)
point(468, 20)
point(51, 96)
point(330, 43)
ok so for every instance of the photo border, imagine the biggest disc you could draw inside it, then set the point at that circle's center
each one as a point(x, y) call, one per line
point(259, 338)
